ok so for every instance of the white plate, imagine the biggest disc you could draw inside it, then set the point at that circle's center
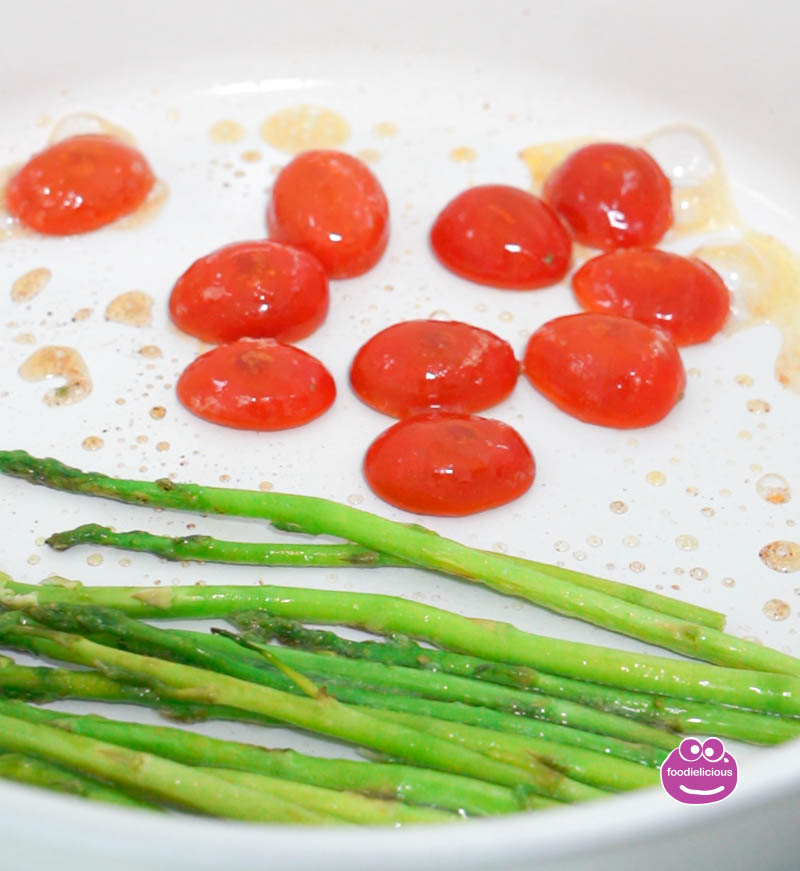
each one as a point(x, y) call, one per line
point(496, 78)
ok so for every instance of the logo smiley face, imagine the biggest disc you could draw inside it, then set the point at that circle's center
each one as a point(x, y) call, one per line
point(699, 772)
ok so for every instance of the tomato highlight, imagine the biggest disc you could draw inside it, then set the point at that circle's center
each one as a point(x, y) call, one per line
point(449, 465)
point(78, 185)
point(257, 384)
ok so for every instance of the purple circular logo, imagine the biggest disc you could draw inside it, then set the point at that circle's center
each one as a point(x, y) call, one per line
point(699, 772)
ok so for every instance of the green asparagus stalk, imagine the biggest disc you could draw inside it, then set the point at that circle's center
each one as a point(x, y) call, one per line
point(417, 545)
point(322, 714)
point(35, 772)
point(204, 548)
point(774, 693)
point(149, 775)
point(417, 786)
point(213, 653)
point(670, 713)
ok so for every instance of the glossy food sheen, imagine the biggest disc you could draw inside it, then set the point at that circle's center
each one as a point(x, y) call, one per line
point(502, 236)
point(256, 384)
point(331, 204)
point(415, 366)
point(611, 196)
point(682, 296)
point(258, 289)
point(449, 464)
point(605, 369)
point(79, 185)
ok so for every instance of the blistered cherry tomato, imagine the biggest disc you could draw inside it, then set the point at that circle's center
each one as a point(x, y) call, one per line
point(257, 289)
point(256, 384)
point(502, 236)
point(330, 204)
point(605, 369)
point(682, 296)
point(449, 464)
point(78, 185)
point(611, 196)
point(420, 365)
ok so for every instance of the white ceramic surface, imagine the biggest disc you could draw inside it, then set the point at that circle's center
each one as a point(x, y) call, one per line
point(494, 77)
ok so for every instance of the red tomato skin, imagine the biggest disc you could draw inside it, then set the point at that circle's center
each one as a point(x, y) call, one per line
point(605, 369)
point(331, 204)
point(257, 289)
point(78, 185)
point(681, 296)
point(257, 384)
point(611, 196)
point(417, 366)
point(502, 236)
point(449, 465)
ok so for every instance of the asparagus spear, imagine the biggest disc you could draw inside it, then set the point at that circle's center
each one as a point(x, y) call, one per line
point(675, 714)
point(773, 693)
point(212, 652)
point(418, 786)
point(321, 714)
point(35, 772)
point(149, 775)
point(417, 545)
point(204, 548)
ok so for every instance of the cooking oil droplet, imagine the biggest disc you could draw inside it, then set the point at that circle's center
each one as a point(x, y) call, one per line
point(25, 339)
point(92, 443)
point(440, 315)
point(150, 351)
point(299, 128)
point(506, 317)
point(561, 546)
point(745, 434)
point(776, 609)
point(162, 446)
point(82, 123)
point(369, 155)
point(687, 542)
point(542, 158)
point(157, 412)
point(134, 308)
point(781, 556)
point(226, 130)
point(594, 541)
point(744, 380)
point(33, 559)
point(758, 406)
point(636, 566)
point(656, 478)
point(463, 154)
point(266, 485)
point(579, 555)
point(631, 541)
point(355, 499)
point(58, 361)
point(698, 573)
point(707, 511)
point(251, 156)
point(82, 314)
point(728, 582)
point(94, 559)
point(124, 562)
point(385, 129)
point(774, 488)
point(30, 284)
point(618, 507)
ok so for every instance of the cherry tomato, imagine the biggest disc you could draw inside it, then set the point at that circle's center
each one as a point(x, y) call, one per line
point(502, 236)
point(78, 185)
point(256, 384)
point(449, 464)
point(611, 196)
point(682, 296)
point(330, 204)
point(605, 369)
point(257, 289)
point(420, 365)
